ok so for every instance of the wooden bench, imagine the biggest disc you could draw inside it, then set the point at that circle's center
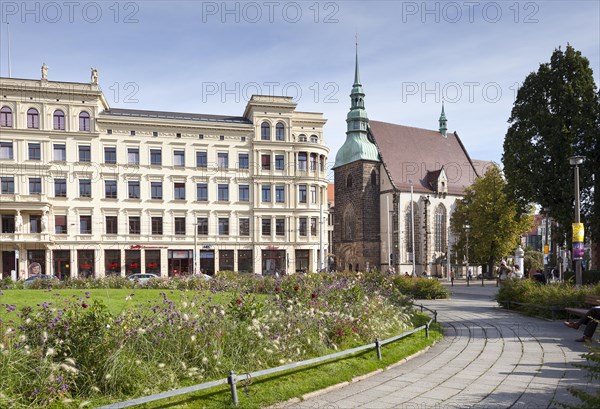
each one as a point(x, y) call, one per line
point(591, 300)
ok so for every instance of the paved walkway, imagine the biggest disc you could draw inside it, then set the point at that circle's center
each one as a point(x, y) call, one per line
point(490, 358)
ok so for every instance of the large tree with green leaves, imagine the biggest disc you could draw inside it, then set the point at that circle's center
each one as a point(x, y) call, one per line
point(556, 116)
point(495, 224)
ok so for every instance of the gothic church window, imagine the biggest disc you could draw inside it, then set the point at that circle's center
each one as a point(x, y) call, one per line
point(440, 228)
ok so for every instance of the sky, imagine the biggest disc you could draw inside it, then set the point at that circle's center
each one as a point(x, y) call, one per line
point(211, 56)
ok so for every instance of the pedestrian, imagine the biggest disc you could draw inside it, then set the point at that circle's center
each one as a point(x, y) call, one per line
point(590, 320)
point(452, 278)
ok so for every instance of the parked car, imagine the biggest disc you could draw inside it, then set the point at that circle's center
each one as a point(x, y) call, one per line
point(29, 281)
point(142, 277)
point(205, 277)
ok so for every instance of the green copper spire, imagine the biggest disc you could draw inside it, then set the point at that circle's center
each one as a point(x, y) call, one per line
point(443, 121)
point(357, 145)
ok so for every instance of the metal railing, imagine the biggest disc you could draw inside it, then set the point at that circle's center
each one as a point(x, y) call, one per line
point(233, 378)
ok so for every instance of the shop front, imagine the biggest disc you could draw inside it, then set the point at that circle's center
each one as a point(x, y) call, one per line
point(180, 262)
point(273, 261)
point(61, 263)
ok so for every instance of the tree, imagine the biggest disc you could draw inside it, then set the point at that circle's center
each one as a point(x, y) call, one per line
point(496, 226)
point(556, 115)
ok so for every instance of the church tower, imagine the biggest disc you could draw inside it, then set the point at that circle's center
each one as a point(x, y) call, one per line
point(356, 234)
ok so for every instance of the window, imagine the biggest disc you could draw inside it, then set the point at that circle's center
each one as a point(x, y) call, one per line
point(302, 138)
point(112, 223)
point(266, 226)
point(6, 150)
point(85, 153)
point(314, 139)
point(134, 224)
point(201, 159)
point(60, 187)
point(244, 193)
point(201, 192)
point(60, 152)
point(280, 131)
point(133, 156)
point(179, 190)
point(180, 226)
point(35, 222)
point(280, 194)
point(84, 121)
point(244, 227)
point(313, 226)
point(223, 192)
point(35, 151)
point(60, 224)
point(156, 190)
point(265, 161)
point(132, 133)
point(302, 194)
point(133, 189)
point(59, 120)
point(156, 157)
point(223, 160)
point(302, 158)
point(7, 185)
point(33, 118)
point(85, 224)
point(266, 193)
point(179, 159)
point(279, 162)
point(374, 177)
point(110, 154)
point(6, 117)
point(244, 161)
point(35, 186)
point(157, 226)
point(202, 223)
point(440, 229)
point(280, 227)
point(265, 131)
point(223, 226)
point(313, 194)
point(313, 162)
point(302, 226)
point(110, 189)
point(8, 223)
point(85, 188)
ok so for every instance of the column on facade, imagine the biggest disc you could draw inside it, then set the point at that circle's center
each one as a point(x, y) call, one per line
point(99, 262)
point(164, 262)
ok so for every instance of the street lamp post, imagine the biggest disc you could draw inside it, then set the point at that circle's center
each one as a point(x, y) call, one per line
point(467, 229)
point(576, 161)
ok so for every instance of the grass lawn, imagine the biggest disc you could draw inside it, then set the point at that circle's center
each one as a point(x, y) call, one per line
point(115, 299)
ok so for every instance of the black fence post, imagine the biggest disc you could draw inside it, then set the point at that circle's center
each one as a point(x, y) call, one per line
point(435, 316)
point(378, 347)
point(231, 380)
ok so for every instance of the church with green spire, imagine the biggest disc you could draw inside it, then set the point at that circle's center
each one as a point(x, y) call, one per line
point(395, 188)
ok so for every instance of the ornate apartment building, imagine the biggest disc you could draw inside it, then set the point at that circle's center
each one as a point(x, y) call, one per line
point(86, 189)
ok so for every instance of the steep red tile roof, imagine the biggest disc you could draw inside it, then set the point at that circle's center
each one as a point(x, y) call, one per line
point(410, 153)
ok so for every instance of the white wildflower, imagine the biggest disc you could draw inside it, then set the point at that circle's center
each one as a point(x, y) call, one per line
point(183, 365)
point(222, 312)
point(67, 400)
point(28, 321)
point(85, 403)
point(70, 361)
point(282, 361)
point(193, 338)
point(138, 362)
point(22, 338)
point(50, 352)
point(95, 389)
point(204, 360)
point(186, 317)
point(44, 336)
point(69, 368)
point(161, 365)
point(184, 304)
point(107, 376)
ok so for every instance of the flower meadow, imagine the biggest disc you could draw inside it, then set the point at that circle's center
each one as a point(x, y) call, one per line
point(75, 353)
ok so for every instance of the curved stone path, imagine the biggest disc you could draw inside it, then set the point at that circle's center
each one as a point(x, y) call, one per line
point(490, 358)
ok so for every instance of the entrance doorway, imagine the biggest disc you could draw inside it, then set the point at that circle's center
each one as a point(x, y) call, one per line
point(180, 262)
point(8, 263)
point(207, 262)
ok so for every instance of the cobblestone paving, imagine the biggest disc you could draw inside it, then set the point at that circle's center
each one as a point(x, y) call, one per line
point(489, 358)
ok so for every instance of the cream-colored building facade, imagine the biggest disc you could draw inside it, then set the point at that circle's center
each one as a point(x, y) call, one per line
point(91, 190)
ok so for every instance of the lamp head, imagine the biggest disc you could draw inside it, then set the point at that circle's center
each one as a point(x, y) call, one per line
point(576, 160)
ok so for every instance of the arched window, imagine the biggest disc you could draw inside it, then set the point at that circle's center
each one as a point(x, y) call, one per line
point(349, 223)
point(265, 131)
point(374, 177)
point(59, 120)
point(350, 267)
point(314, 139)
point(33, 118)
point(349, 181)
point(409, 222)
point(84, 121)
point(440, 228)
point(280, 131)
point(6, 117)
point(302, 138)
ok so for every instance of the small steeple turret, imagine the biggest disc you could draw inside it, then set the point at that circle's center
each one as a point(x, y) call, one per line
point(443, 121)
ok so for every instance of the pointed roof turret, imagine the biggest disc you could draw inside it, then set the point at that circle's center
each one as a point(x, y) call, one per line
point(357, 145)
point(443, 121)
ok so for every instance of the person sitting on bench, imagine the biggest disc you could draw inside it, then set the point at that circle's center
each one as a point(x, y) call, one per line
point(590, 320)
